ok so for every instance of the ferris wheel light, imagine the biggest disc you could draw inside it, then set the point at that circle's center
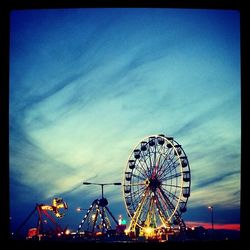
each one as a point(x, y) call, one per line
point(149, 231)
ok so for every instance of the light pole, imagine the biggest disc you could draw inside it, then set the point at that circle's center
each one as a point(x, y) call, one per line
point(102, 184)
point(212, 216)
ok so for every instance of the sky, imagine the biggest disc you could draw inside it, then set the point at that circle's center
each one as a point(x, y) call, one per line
point(87, 85)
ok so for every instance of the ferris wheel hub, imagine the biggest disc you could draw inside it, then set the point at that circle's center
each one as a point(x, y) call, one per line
point(153, 183)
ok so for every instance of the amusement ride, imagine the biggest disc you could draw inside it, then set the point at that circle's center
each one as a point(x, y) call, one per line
point(42, 211)
point(156, 186)
point(97, 219)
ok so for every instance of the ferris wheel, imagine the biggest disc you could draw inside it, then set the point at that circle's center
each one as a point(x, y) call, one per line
point(156, 184)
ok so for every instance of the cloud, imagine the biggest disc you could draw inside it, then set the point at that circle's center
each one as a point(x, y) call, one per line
point(217, 179)
point(218, 192)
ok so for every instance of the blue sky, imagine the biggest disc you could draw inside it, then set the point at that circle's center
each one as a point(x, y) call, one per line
point(86, 85)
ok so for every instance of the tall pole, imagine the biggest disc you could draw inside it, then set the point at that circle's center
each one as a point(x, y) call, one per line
point(212, 215)
point(211, 208)
point(102, 189)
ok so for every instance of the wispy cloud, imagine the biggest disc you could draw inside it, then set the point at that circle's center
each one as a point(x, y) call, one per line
point(217, 179)
point(220, 192)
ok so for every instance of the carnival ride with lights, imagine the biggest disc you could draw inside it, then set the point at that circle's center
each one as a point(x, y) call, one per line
point(156, 186)
point(42, 209)
point(96, 221)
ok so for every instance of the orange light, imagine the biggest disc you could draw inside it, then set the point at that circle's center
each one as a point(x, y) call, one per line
point(46, 207)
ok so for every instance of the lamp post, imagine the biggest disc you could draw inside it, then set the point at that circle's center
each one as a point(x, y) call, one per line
point(102, 184)
point(212, 216)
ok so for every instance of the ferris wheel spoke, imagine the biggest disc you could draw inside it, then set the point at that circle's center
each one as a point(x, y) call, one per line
point(159, 157)
point(144, 160)
point(162, 202)
point(150, 160)
point(139, 177)
point(136, 184)
point(173, 176)
point(165, 164)
point(143, 172)
point(151, 157)
point(140, 198)
point(138, 193)
point(144, 209)
point(154, 164)
point(170, 194)
point(169, 207)
point(160, 164)
point(167, 156)
point(169, 203)
point(173, 181)
point(134, 191)
point(171, 166)
point(146, 168)
point(170, 185)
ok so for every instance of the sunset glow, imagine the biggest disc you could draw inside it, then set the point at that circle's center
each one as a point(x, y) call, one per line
point(207, 225)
